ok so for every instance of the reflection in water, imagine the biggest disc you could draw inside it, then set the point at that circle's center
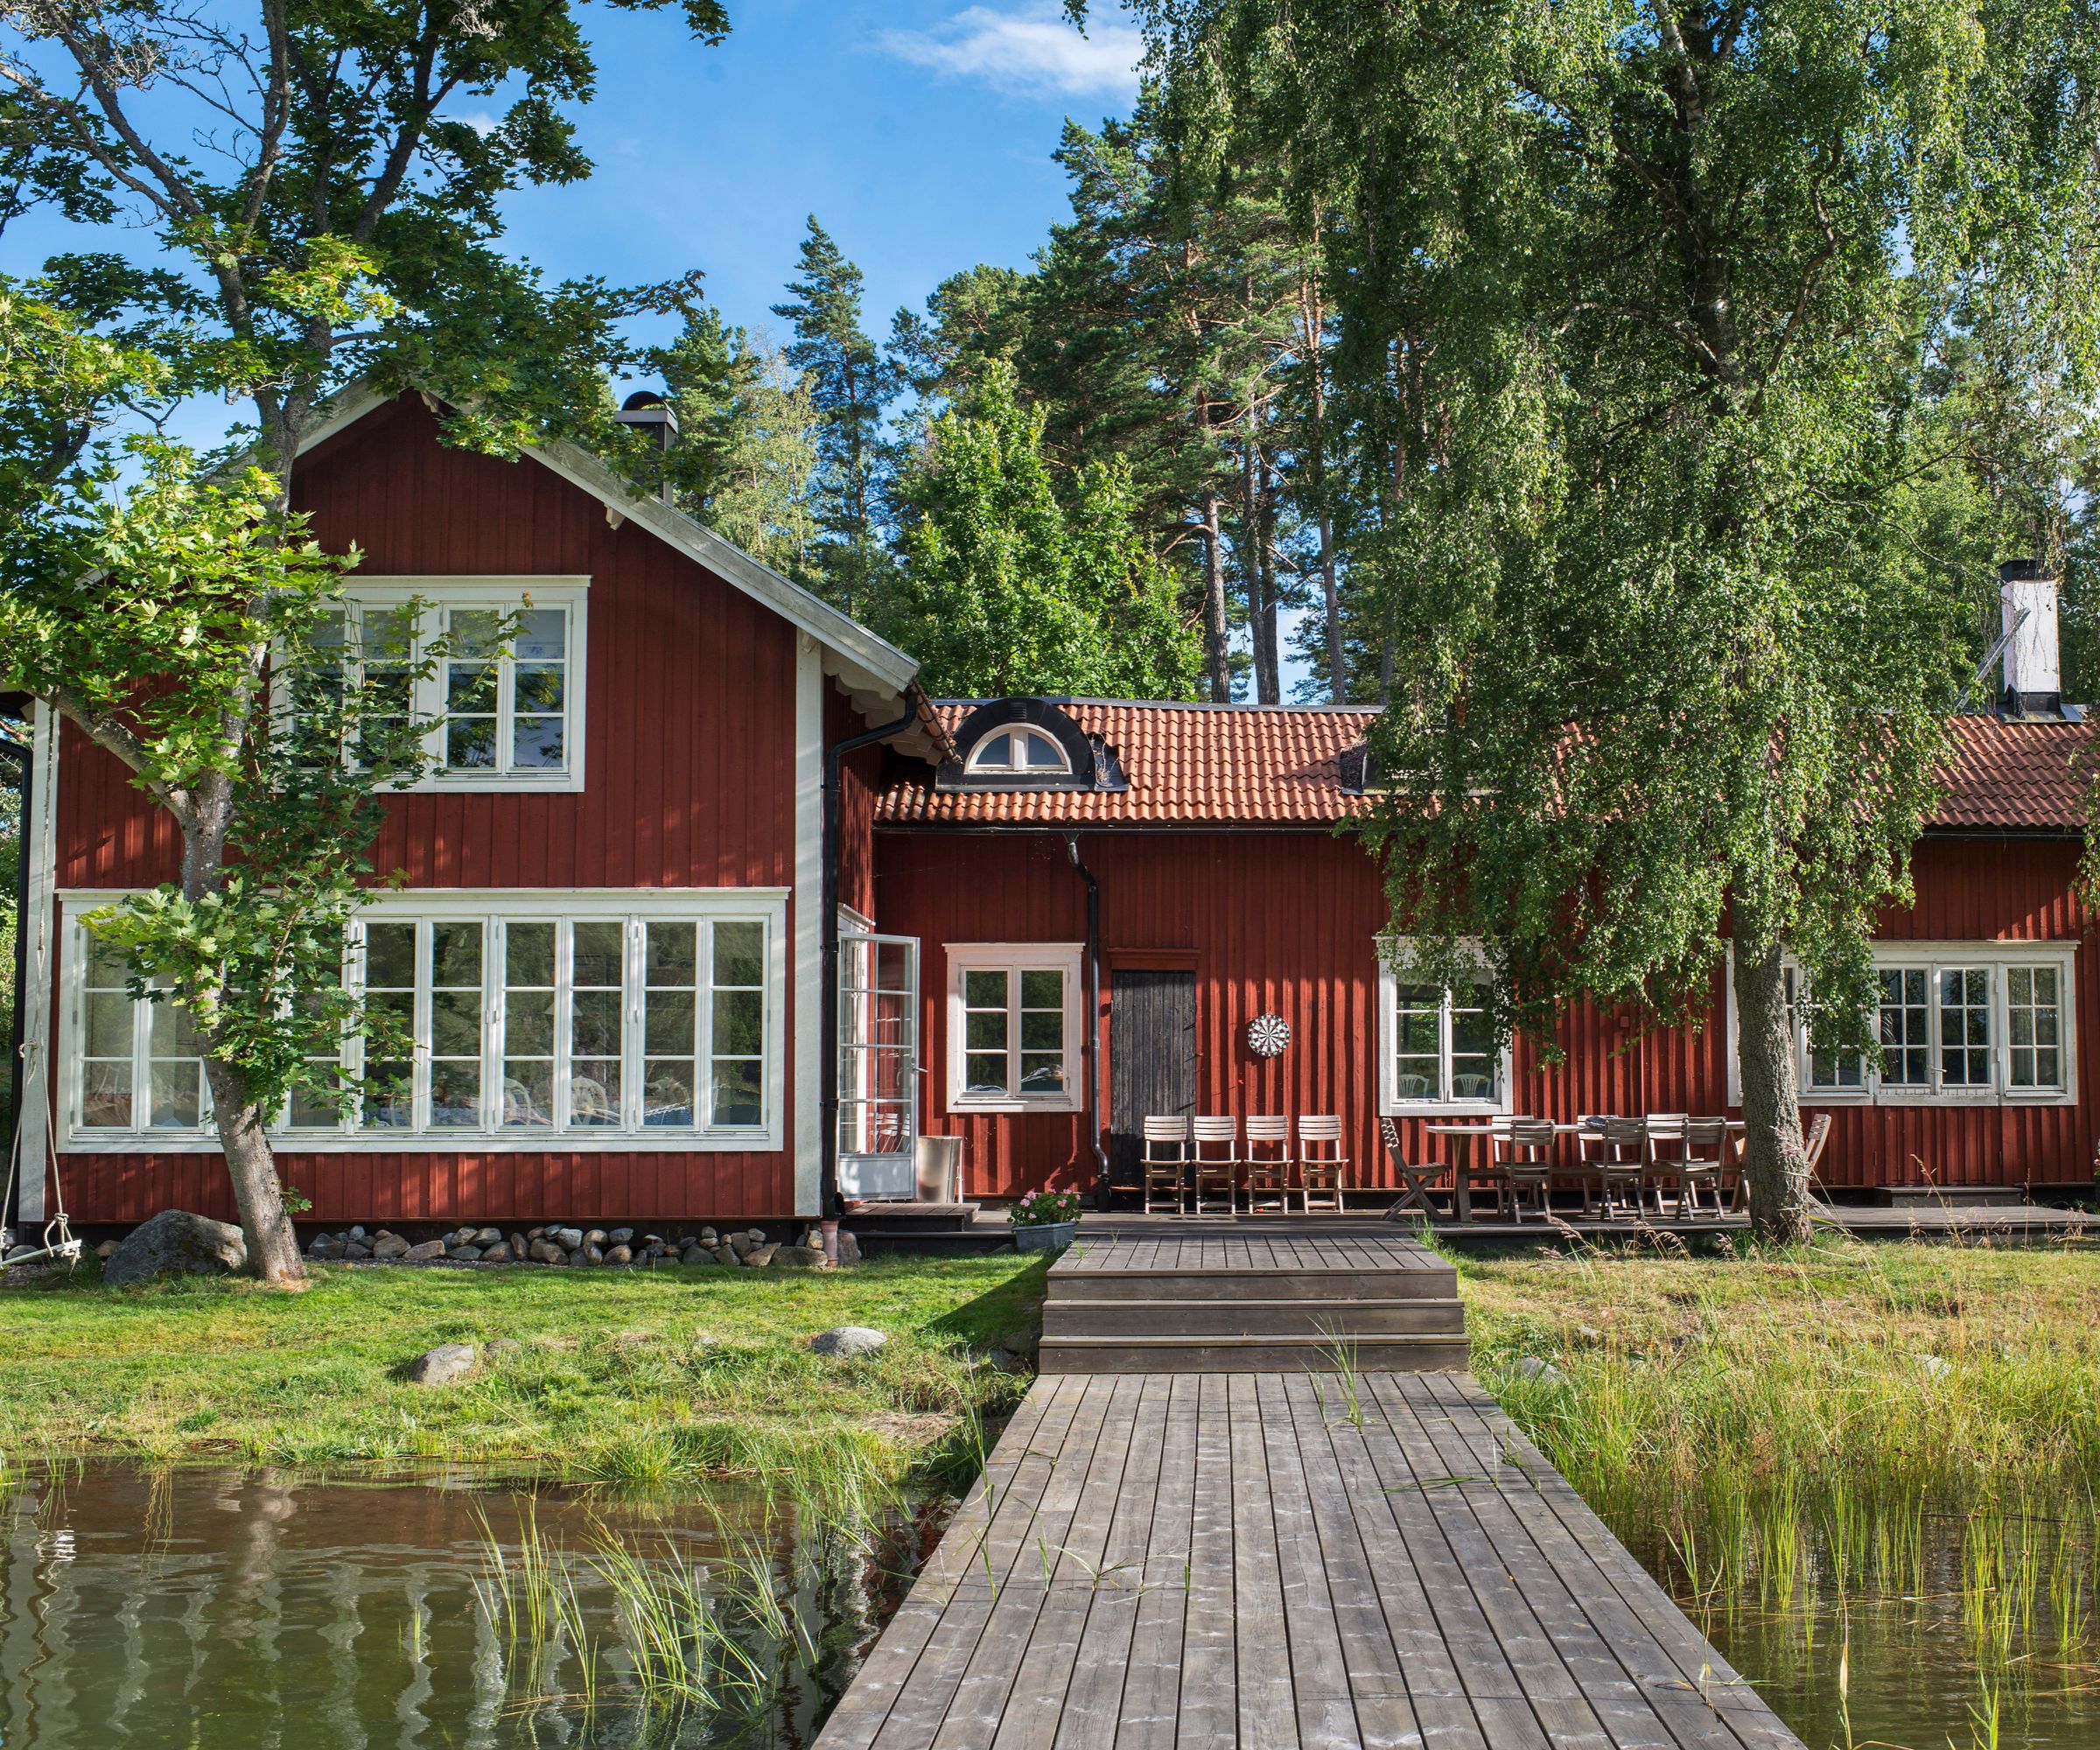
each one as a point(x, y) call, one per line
point(230, 1606)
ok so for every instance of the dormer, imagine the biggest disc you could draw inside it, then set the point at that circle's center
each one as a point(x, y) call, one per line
point(1028, 743)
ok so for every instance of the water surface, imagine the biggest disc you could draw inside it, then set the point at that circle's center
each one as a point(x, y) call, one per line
point(222, 1605)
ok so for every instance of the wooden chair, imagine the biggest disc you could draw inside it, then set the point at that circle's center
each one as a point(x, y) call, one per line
point(1665, 1144)
point(1811, 1145)
point(1217, 1174)
point(1322, 1167)
point(1166, 1163)
point(1698, 1158)
point(1524, 1156)
point(1268, 1163)
point(1416, 1182)
point(1614, 1155)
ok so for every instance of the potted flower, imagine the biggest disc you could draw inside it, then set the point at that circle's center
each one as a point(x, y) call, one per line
point(1046, 1222)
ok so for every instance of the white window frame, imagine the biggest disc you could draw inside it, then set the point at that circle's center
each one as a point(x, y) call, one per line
point(705, 906)
point(975, 765)
point(1390, 1105)
point(1064, 957)
point(500, 595)
point(1996, 958)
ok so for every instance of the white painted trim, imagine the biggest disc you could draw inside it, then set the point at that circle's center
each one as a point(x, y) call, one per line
point(1066, 957)
point(1391, 1105)
point(1994, 954)
point(41, 846)
point(768, 904)
point(881, 662)
point(810, 1043)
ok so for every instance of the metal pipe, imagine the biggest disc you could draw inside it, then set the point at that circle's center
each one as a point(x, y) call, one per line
point(828, 1202)
point(1093, 1046)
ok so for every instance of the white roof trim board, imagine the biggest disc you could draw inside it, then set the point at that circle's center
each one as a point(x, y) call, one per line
point(863, 662)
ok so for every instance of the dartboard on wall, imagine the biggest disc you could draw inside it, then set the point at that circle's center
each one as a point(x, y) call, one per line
point(1267, 1035)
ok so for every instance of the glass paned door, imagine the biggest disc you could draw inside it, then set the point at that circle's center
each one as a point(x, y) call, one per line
point(878, 1064)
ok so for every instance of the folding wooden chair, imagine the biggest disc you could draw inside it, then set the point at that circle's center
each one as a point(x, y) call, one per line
point(1416, 1182)
point(1268, 1163)
point(1615, 1156)
point(1525, 1165)
point(1322, 1167)
point(1217, 1174)
point(1166, 1162)
point(1697, 1159)
point(1665, 1144)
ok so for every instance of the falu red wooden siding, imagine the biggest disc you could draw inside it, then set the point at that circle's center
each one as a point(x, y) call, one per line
point(1285, 923)
point(689, 783)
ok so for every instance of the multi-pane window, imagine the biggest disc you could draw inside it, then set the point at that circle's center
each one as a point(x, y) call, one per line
point(1441, 1046)
point(641, 1023)
point(501, 703)
point(1014, 1032)
point(1905, 1028)
point(1020, 751)
point(1964, 999)
point(1977, 1020)
point(2034, 1026)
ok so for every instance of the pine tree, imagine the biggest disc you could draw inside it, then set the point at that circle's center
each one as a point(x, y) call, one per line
point(851, 385)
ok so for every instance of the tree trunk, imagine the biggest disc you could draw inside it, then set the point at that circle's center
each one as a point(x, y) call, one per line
point(273, 1245)
point(1338, 664)
point(1261, 623)
point(1774, 1161)
point(1272, 635)
point(1215, 632)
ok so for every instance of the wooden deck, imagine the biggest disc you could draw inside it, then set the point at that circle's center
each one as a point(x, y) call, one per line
point(1215, 1557)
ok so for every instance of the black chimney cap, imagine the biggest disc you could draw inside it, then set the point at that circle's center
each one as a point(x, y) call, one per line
point(2021, 571)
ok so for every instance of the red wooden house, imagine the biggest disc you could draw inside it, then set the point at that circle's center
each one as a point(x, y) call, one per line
point(707, 909)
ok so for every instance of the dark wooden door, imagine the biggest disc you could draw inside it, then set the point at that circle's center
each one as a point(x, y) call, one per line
point(1151, 1061)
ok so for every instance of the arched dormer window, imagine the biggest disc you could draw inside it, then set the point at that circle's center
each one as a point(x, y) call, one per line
point(1028, 743)
point(1020, 752)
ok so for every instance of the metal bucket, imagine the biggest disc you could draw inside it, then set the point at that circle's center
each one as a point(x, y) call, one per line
point(939, 1164)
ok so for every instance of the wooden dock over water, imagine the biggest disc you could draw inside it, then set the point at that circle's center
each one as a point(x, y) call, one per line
point(1245, 1551)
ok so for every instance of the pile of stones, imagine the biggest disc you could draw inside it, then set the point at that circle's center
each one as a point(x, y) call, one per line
point(747, 1246)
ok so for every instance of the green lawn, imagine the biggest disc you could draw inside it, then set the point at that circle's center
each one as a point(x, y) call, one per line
point(643, 1376)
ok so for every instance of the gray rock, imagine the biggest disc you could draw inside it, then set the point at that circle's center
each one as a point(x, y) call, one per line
point(388, 1247)
point(620, 1255)
point(740, 1243)
point(1530, 1367)
point(503, 1349)
point(847, 1340)
point(485, 1237)
point(595, 1236)
point(727, 1255)
point(622, 1236)
point(357, 1251)
point(758, 1236)
point(423, 1253)
point(710, 1237)
point(577, 1258)
point(464, 1254)
point(569, 1239)
point(357, 1232)
point(498, 1253)
point(537, 1233)
point(594, 1253)
point(105, 1249)
point(848, 1247)
point(799, 1257)
point(544, 1251)
point(442, 1365)
point(516, 1242)
point(759, 1256)
point(324, 1247)
point(175, 1243)
point(696, 1255)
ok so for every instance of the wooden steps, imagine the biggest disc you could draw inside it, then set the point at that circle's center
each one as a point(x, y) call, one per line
point(1265, 1303)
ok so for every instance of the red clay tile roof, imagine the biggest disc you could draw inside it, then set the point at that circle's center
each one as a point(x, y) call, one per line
point(2015, 775)
point(1198, 765)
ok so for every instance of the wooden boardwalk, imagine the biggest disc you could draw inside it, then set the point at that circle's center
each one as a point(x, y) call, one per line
point(1297, 1558)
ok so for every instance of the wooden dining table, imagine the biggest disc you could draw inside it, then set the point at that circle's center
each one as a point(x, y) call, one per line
point(1465, 1138)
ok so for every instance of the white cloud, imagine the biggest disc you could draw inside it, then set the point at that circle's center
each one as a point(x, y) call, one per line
point(1032, 50)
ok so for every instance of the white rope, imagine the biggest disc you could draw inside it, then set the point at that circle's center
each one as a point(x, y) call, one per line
point(57, 1232)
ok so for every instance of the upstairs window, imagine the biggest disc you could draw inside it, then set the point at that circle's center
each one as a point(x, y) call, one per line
point(1020, 752)
point(497, 714)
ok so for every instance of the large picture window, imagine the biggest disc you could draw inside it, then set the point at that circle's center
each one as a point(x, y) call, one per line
point(501, 714)
point(1437, 1049)
point(1014, 1040)
point(651, 1017)
point(1956, 1022)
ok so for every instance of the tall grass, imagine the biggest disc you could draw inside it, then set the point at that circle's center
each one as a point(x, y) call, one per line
point(1797, 1432)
